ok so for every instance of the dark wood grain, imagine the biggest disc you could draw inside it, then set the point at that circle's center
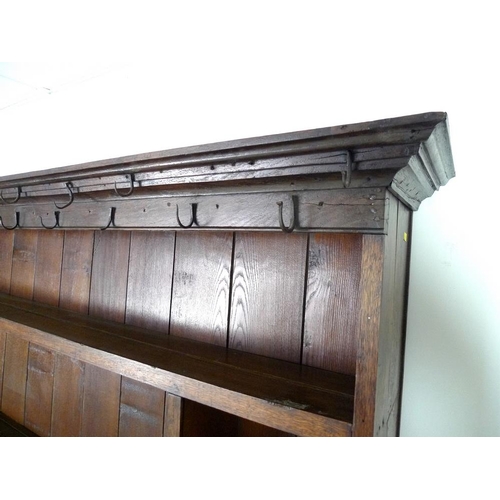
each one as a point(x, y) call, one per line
point(253, 208)
point(202, 275)
point(23, 263)
point(392, 325)
point(6, 250)
point(108, 290)
point(3, 339)
point(270, 157)
point(39, 390)
point(267, 294)
point(48, 267)
point(303, 404)
point(67, 407)
point(368, 334)
point(76, 270)
point(14, 378)
point(173, 416)
point(141, 409)
point(332, 302)
point(101, 402)
point(150, 280)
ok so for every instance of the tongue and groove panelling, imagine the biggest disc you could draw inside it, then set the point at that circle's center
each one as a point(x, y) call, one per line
point(282, 295)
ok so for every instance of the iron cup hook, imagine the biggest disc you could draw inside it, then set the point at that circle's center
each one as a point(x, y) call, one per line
point(15, 200)
point(13, 227)
point(293, 221)
point(193, 216)
point(69, 187)
point(130, 190)
point(56, 215)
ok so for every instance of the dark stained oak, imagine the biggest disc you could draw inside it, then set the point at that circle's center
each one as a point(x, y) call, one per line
point(230, 327)
point(101, 402)
point(200, 293)
point(47, 282)
point(150, 280)
point(76, 270)
point(141, 409)
point(268, 294)
point(6, 249)
point(332, 302)
point(39, 390)
point(302, 402)
point(372, 265)
point(108, 290)
point(173, 416)
point(14, 378)
point(23, 263)
point(3, 338)
point(67, 407)
point(392, 330)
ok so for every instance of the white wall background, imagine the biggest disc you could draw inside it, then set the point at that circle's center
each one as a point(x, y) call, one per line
point(224, 72)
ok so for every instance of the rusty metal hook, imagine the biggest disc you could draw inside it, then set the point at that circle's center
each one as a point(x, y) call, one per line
point(56, 215)
point(193, 216)
point(15, 200)
point(13, 227)
point(111, 219)
point(293, 221)
point(69, 187)
point(130, 190)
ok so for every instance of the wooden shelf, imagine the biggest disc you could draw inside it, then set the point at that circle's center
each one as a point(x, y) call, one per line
point(296, 399)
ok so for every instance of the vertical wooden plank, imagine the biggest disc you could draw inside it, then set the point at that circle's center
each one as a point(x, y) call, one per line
point(368, 334)
point(67, 405)
point(173, 416)
point(392, 329)
point(200, 298)
point(6, 250)
point(39, 388)
point(150, 279)
point(76, 270)
point(14, 378)
point(108, 289)
point(268, 293)
point(101, 402)
point(23, 263)
point(332, 302)
point(48, 267)
point(3, 338)
point(141, 409)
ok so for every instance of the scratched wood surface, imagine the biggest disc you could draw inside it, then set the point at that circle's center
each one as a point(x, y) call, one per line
point(141, 409)
point(200, 297)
